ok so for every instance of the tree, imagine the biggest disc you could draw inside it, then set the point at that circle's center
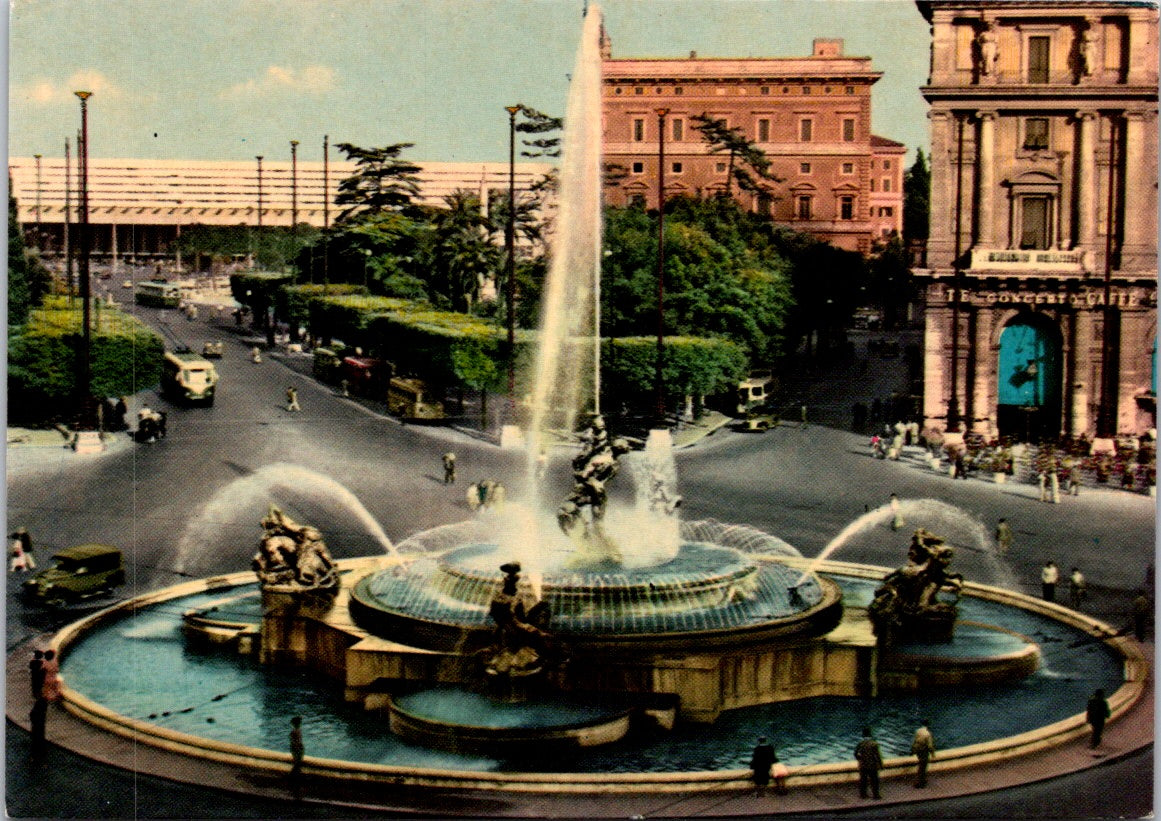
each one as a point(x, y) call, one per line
point(28, 280)
point(748, 164)
point(536, 122)
point(458, 253)
point(917, 199)
point(382, 181)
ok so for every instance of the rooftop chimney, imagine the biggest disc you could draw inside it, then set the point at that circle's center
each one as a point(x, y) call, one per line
point(828, 47)
point(693, 55)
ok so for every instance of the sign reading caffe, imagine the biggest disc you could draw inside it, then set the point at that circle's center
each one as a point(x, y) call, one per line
point(1118, 297)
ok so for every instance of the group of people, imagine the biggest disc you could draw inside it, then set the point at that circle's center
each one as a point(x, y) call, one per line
point(889, 443)
point(45, 686)
point(151, 424)
point(1077, 585)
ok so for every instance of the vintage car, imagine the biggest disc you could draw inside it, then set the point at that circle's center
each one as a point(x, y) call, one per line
point(78, 573)
point(212, 350)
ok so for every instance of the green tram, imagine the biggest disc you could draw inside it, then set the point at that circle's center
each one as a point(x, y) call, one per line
point(188, 377)
point(158, 294)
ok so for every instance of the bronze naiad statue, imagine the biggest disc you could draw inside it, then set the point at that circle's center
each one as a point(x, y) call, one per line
point(908, 607)
point(523, 647)
point(581, 515)
point(293, 555)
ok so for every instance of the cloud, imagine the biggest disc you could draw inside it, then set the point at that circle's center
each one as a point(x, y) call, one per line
point(314, 79)
point(52, 92)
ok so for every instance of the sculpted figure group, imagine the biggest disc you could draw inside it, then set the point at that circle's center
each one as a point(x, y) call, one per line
point(908, 606)
point(293, 554)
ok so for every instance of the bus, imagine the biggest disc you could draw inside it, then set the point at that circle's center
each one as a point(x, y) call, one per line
point(158, 294)
point(188, 377)
point(406, 399)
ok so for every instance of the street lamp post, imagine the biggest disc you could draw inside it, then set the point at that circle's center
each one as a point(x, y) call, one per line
point(68, 250)
point(658, 377)
point(294, 186)
point(510, 247)
point(326, 213)
point(84, 380)
point(38, 228)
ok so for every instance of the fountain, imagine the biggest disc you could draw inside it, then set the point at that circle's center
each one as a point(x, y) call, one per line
point(477, 645)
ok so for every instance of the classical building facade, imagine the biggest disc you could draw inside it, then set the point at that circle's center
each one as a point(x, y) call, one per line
point(137, 208)
point(811, 116)
point(1041, 267)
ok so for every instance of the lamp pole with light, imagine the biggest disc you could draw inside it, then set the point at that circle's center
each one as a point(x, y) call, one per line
point(326, 213)
point(84, 379)
point(659, 383)
point(38, 228)
point(510, 247)
point(68, 250)
point(294, 186)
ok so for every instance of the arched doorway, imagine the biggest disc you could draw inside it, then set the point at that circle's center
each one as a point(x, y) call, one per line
point(1029, 375)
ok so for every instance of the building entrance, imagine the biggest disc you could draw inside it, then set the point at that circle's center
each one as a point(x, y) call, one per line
point(1029, 373)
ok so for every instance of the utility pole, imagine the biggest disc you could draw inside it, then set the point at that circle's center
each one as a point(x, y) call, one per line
point(510, 247)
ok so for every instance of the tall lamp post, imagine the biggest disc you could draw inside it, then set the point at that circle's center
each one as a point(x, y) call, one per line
point(326, 213)
point(294, 186)
point(38, 228)
point(84, 371)
point(68, 250)
point(510, 248)
point(659, 382)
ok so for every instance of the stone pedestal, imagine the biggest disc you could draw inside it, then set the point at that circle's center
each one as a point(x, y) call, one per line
point(88, 441)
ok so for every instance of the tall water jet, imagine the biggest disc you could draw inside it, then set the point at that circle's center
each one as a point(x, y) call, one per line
point(565, 383)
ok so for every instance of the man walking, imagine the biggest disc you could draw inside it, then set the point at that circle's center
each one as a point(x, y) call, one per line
point(1074, 479)
point(292, 399)
point(21, 535)
point(761, 760)
point(1049, 576)
point(923, 748)
point(1097, 713)
point(896, 515)
point(297, 751)
point(1003, 536)
point(870, 762)
point(1142, 613)
point(449, 468)
point(1077, 588)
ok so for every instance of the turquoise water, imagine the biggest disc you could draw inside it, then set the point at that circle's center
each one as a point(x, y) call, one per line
point(140, 667)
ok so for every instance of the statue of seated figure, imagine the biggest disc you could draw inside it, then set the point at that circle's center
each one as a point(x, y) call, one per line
point(293, 555)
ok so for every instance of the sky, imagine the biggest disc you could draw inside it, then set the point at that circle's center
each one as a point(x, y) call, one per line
point(231, 79)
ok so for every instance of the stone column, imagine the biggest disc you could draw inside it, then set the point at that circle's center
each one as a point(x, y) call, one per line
point(1086, 377)
point(983, 391)
point(1086, 184)
point(986, 177)
point(1136, 186)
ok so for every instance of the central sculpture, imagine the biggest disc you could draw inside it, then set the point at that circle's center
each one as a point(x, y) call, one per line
point(907, 607)
point(581, 516)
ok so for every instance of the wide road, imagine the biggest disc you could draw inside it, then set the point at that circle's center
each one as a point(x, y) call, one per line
point(190, 504)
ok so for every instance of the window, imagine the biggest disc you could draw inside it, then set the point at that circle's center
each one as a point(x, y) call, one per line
point(874, 185)
point(638, 131)
point(886, 165)
point(805, 130)
point(618, 90)
point(848, 130)
point(804, 209)
point(1035, 233)
point(826, 90)
point(887, 211)
point(763, 131)
point(886, 184)
point(1036, 133)
point(848, 168)
point(806, 90)
point(849, 90)
point(804, 168)
point(638, 90)
point(785, 89)
point(720, 168)
point(678, 130)
point(764, 90)
point(638, 168)
point(637, 200)
point(846, 208)
point(1038, 59)
point(677, 168)
point(678, 91)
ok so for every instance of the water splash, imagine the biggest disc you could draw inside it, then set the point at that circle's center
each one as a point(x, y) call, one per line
point(249, 495)
point(954, 525)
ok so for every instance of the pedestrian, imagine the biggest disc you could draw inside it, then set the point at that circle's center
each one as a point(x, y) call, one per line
point(21, 535)
point(1074, 480)
point(1003, 536)
point(1097, 713)
point(1049, 576)
point(896, 515)
point(923, 748)
point(761, 761)
point(1142, 613)
point(345, 388)
point(38, 719)
point(804, 416)
point(51, 690)
point(36, 674)
point(1054, 485)
point(297, 751)
point(474, 497)
point(17, 560)
point(960, 466)
point(870, 761)
point(162, 420)
point(449, 468)
point(292, 399)
point(1077, 588)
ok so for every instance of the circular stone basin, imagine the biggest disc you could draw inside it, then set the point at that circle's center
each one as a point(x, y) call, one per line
point(442, 602)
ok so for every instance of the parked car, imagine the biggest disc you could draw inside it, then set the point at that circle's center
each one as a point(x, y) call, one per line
point(78, 573)
point(212, 350)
